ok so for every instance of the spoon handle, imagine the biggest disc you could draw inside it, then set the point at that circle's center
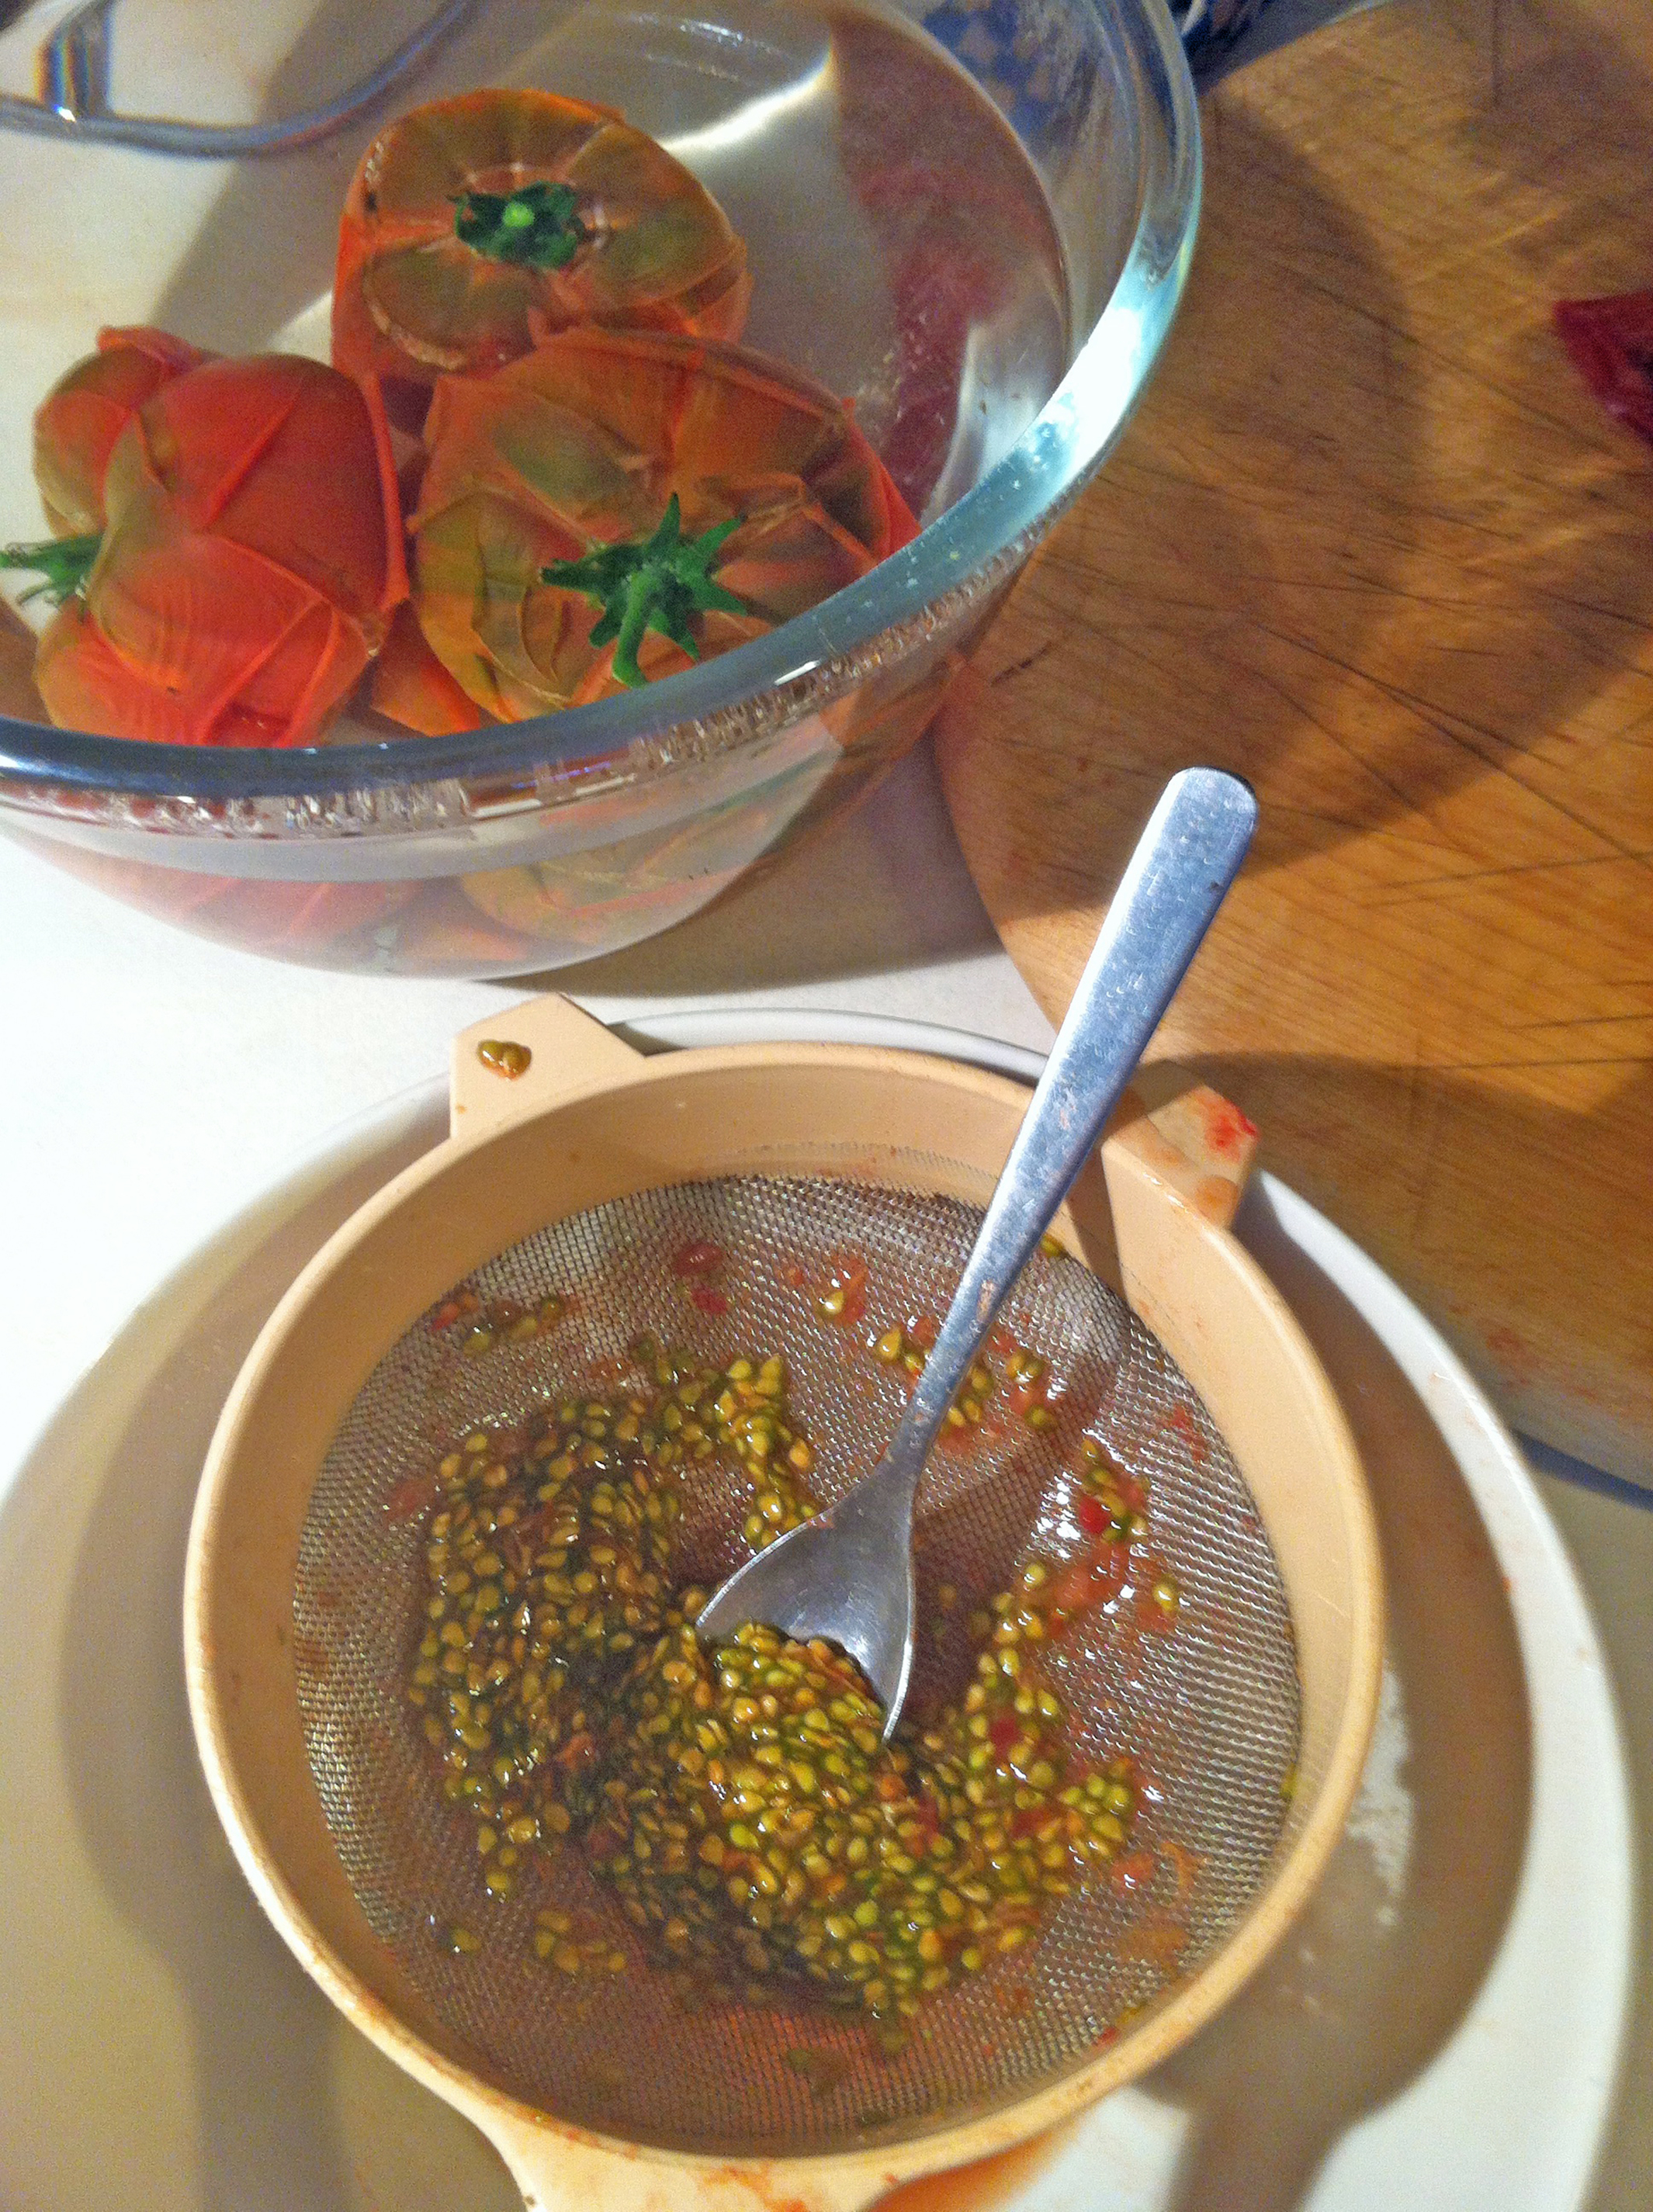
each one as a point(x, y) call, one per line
point(1184, 862)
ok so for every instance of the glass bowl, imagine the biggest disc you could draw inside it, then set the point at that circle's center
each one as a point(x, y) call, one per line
point(975, 218)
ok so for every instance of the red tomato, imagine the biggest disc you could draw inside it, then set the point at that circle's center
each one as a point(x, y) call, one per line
point(246, 569)
point(79, 420)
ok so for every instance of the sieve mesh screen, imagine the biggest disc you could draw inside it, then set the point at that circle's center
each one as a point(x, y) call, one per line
point(1211, 1711)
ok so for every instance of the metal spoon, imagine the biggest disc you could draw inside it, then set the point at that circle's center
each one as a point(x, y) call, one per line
point(847, 1575)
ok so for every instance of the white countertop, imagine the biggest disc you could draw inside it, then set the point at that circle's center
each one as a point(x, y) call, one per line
point(159, 1080)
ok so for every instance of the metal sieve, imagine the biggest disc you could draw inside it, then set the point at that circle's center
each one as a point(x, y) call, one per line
point(586, 1174)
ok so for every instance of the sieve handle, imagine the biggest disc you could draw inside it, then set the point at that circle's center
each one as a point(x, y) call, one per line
point(558, 2171)
point(1187, 1137)
point(518, 1062)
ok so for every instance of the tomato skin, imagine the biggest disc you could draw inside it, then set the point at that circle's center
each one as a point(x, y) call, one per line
point(411, 686)
point(584, 442)
point(247, 564)
point(1611, 345)
point(413, 301)
point(78, 421)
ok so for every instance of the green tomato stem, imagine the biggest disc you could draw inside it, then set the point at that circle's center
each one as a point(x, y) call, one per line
point(536, 227)
point(63, 564)
point(660, 582)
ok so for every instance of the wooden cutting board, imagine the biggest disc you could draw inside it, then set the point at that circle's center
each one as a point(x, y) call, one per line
point(1372, 542)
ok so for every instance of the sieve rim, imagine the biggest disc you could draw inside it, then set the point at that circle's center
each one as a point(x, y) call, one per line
point(1164, 2025)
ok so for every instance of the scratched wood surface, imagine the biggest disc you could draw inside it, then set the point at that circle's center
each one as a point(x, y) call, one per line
point(1371, 543)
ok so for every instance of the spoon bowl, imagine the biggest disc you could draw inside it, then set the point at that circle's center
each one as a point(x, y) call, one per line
point(847, 1576)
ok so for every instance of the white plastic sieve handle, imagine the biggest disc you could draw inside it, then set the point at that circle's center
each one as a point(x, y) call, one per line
point(559, 2172)
point(529, 1057)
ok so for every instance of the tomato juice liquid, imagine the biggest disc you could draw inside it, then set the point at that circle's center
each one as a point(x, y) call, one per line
point(902, 245)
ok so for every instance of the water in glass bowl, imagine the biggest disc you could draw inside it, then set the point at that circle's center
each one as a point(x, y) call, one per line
point(939, 198)
point(902, 245)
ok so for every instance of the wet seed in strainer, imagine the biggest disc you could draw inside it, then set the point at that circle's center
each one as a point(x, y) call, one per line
point(740, 1802)
point(1212, 1709)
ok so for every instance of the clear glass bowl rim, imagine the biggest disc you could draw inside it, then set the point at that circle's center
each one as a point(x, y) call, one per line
point(992, 527)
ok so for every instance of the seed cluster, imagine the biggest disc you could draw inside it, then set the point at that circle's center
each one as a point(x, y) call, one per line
point(755, 1826)
point(905, 1348)
point(741, 1804)
point(909, 1349)
point(1113, 1506)
point(546, 1560)
point(478, 1328)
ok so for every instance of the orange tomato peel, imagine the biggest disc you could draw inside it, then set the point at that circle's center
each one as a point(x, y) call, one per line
point(76, 424)
point(557, 475)
point(475, 226)
point(241, 583)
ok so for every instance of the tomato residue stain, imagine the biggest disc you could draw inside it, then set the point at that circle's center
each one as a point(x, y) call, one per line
point(697, 1258)
point(1180, 1421)
point(1093, 1577)
point(1156, 1943)
point(1184, 1863)
point(1512, 1351)
point(1227, 1130)
point(410, 1497)
point(843, 1299)
point(985, 2183)
point(1134, 1871)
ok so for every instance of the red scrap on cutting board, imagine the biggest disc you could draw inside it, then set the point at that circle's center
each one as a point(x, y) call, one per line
point(1610, 344)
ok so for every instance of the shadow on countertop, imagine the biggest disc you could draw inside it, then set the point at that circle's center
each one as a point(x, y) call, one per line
point(1397, 1941)
point(209, 2026)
